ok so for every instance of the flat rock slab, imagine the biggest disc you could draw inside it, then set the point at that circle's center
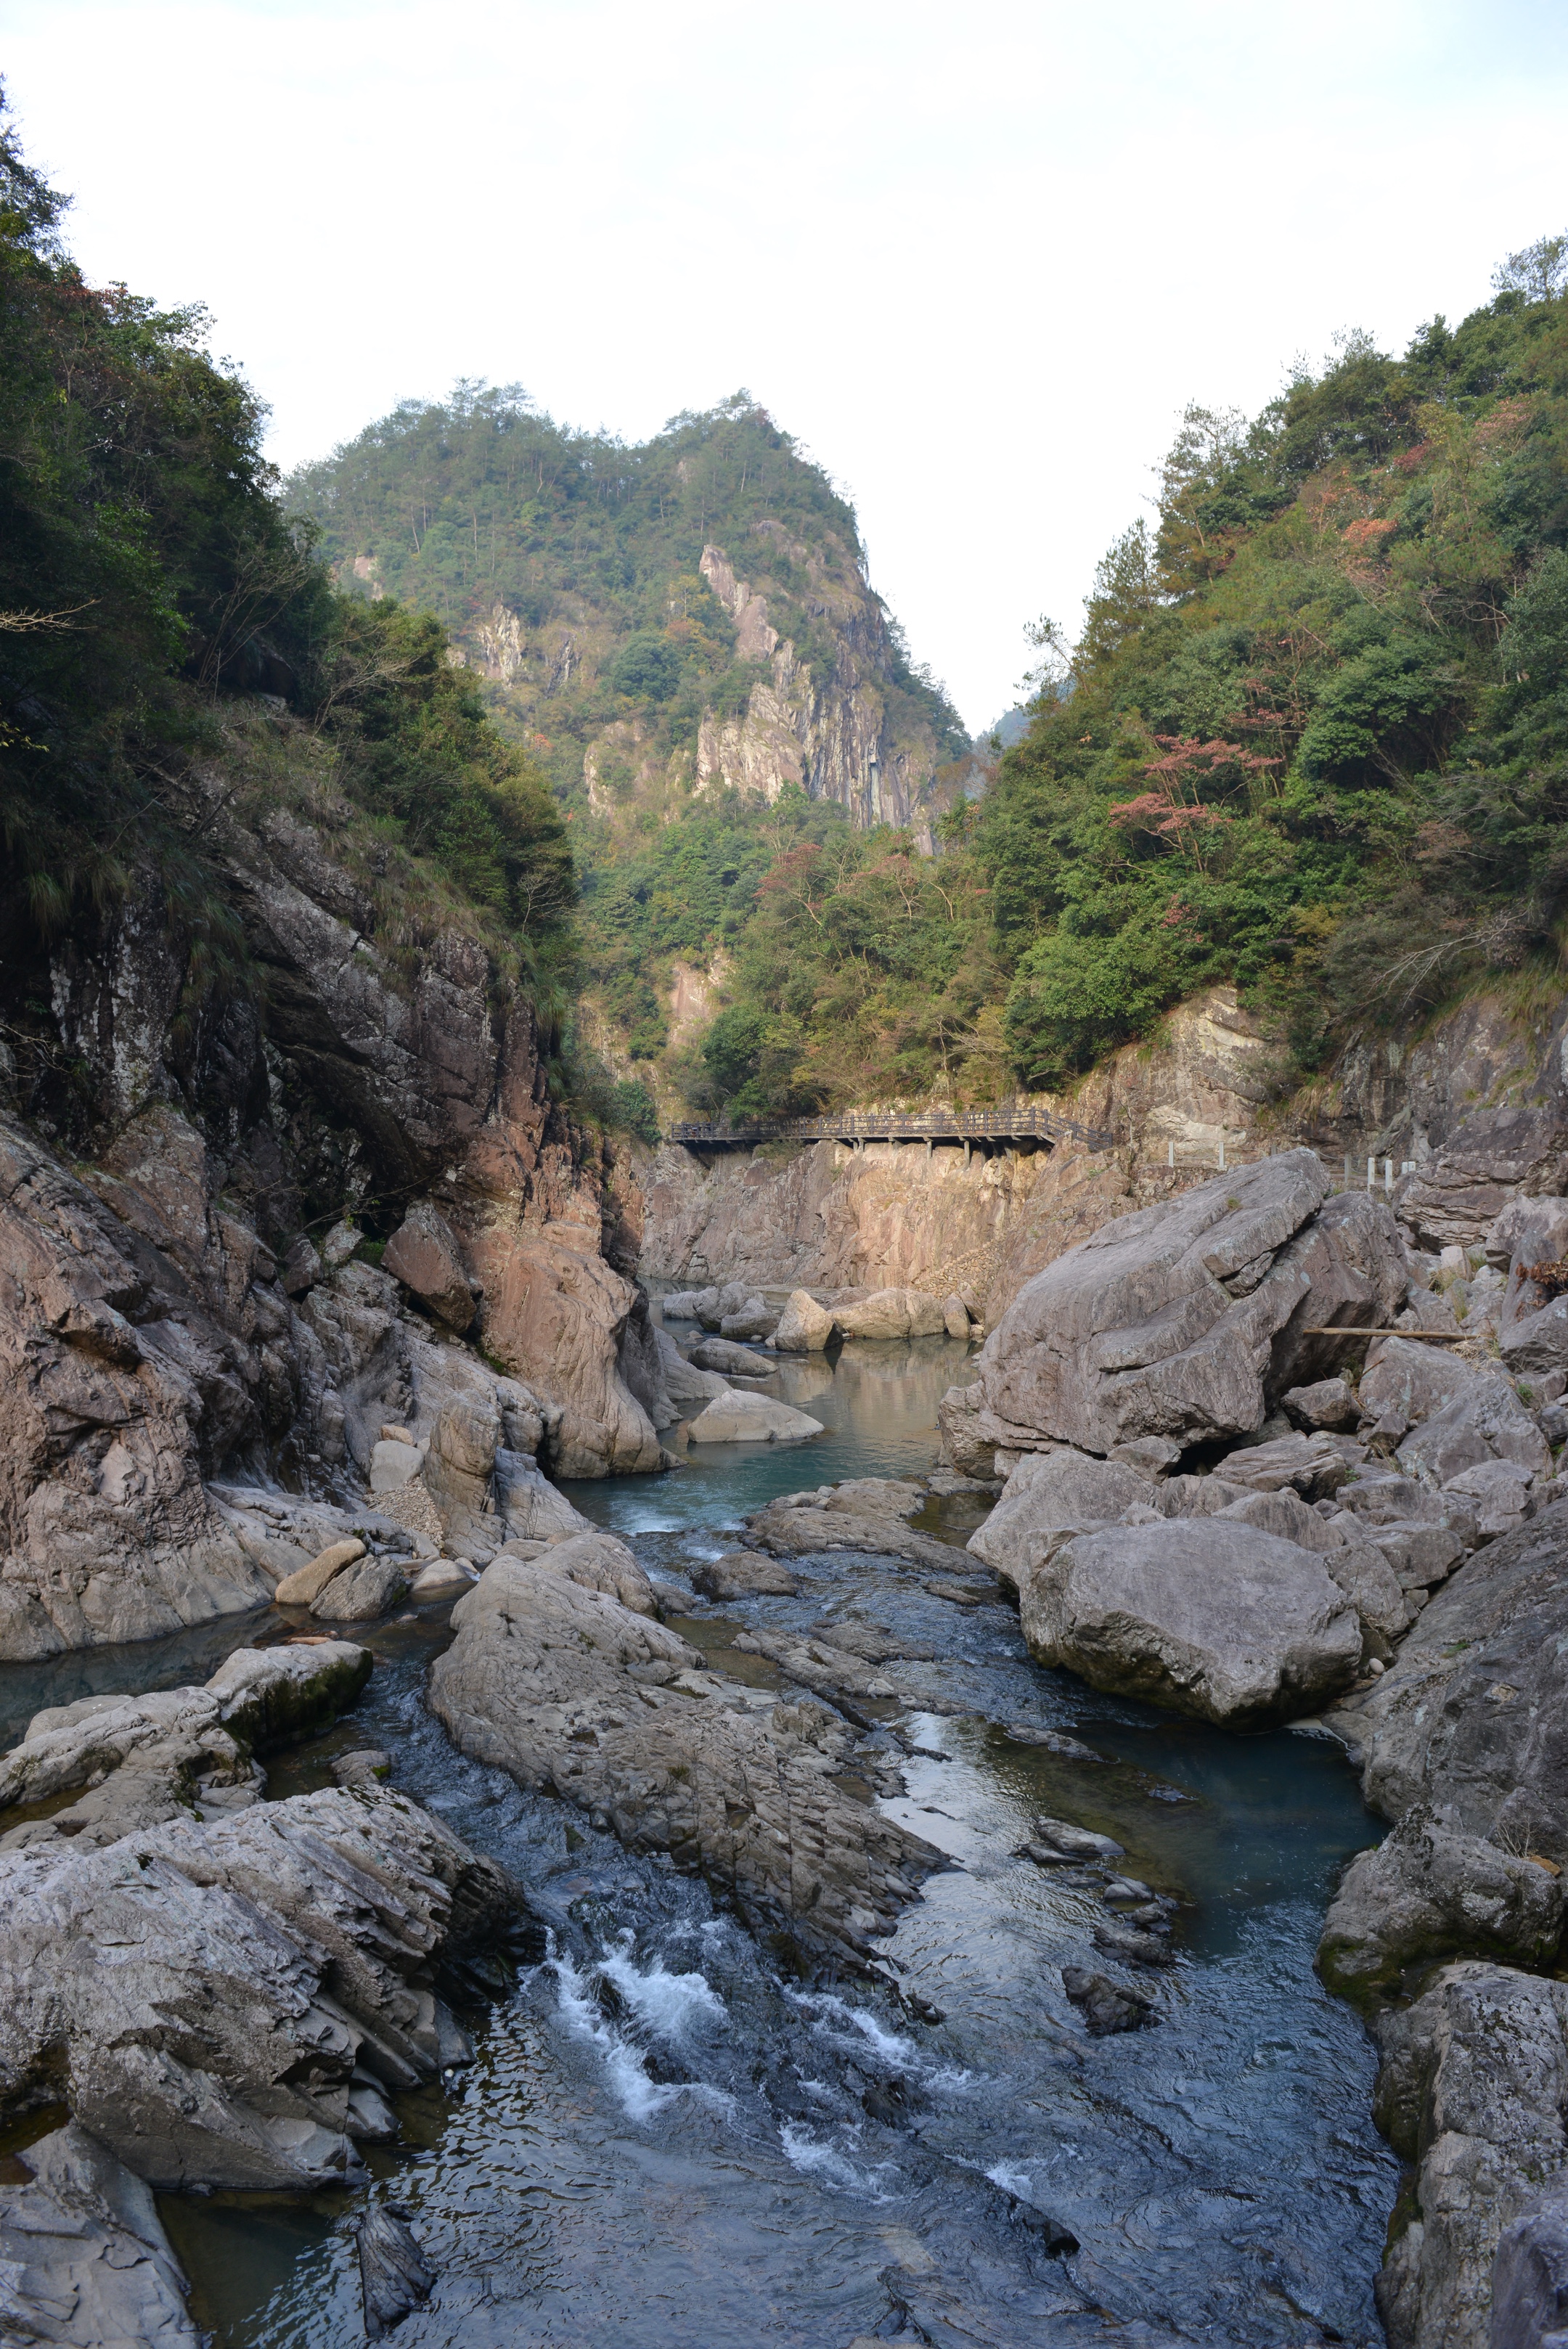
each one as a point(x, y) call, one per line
point(741, 1574)
point(1211, 1618)
point(567, 1689)
point(752, 1418)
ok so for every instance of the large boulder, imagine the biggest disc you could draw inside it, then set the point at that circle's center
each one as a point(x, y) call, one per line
point(201, 1995)
point(1211, 1618)
point(1161, 1323)
point(893, 1313)
point(1352, 1259)
point(1045, 1495)
point(1484, 1421)
point(363, 1593)
point(688, 1386)
point(735, 1418)
point(1529, 2275)
point(530, 1507)
point(423, 1254)
point(964, 1447)
point(1472, 2093)
point(867, 1514)
point(597, 1561)
point(1407, 1380)
point(1311, 1466)
point(567, 1689)
point(1429, 1892)
point(805, 1327)
point(84, 2259)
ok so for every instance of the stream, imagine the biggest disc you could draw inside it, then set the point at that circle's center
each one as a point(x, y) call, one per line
point(674, 2134)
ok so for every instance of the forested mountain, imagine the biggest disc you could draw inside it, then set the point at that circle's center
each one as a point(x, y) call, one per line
point(1311, 737)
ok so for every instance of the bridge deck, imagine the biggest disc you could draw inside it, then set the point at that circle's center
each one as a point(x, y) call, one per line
point(1009, 1124)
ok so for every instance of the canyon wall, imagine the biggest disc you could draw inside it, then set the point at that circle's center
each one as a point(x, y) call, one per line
point(203, 1156)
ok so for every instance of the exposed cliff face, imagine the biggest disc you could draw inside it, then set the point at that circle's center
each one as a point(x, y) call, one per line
point(1475, 1108)
point(827, 724)
point(187, 1175)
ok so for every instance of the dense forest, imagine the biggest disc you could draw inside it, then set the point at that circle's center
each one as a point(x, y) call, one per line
point(151, 587)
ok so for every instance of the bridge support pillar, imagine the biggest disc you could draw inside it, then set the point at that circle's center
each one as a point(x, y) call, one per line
point(928, 1154)
point(966, 1149)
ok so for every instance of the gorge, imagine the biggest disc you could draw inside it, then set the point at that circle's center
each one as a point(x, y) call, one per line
point(916, 1742)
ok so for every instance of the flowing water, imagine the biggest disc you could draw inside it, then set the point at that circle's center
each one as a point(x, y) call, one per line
point(672, 2134)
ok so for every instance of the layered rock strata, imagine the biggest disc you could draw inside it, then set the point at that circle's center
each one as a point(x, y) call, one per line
point(566, 1688)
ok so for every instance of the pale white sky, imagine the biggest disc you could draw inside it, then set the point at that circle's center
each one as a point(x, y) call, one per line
point(976, 259)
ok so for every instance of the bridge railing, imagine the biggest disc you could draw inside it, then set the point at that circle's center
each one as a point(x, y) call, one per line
point(1007, 1124)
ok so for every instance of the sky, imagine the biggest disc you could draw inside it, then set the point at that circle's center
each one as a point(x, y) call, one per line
point(975, 259)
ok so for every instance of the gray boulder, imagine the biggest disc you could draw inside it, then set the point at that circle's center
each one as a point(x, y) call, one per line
point(530, 1507)
point(598, 1561)
point(867, 1514)
point(686, 1385)
point(1047, 1493)
point(1407, 1380)
point(1162, 1322)
point(1214, 1618)
point(755, 1319)
point(730, 1361)
point(1352, 1260)
point(1482, 1420)
point(741, 1574)
point(1499, 1491)
point(362, 1593)
point(1328, 1403)
point(1470, 1721)
point(805, 1327)
point(1472, 2093)
point(1311, 1466)
point(1429, 1892)
point(565, 1689)
point(84, 2259)
point(258, 1962)
point(733, 1418)
point(964, 1445)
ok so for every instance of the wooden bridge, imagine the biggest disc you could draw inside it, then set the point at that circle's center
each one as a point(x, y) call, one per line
point(1012, 1124)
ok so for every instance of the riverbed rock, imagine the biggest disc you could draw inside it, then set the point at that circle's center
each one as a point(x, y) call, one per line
point(721, 1354)
point(964, 1447)
point(688, 1387)
point(1107, 2006)
point(1160, 1323)
point(741, 1574)
point(363, 1593)
point(302, 1590)
point(1210, 1618)
point(393, 1462)
point(1429, 1892)
point(530, 1507)
point(1482, 1420)
point(1407, 1380)
point(395, 2278)
point(867, 1514)
point(143, 1759)
point(84, 2259)
point(805, 1327)
point(756, 1318)
point(1046, 1493)
point(423, 1254)
point(735, 1418)
point(813, 1661)
point(1471, 2092)
point(258, 1960)
point(892, 1313)
point(565, 1689)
